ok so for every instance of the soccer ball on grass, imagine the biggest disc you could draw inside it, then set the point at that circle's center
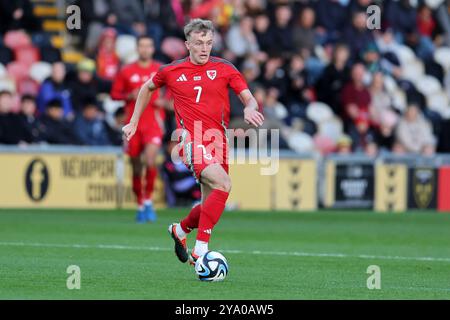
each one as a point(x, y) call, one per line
point(212, 266)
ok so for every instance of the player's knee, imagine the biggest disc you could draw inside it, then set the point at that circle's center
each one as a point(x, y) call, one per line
point(150, 163)
point(224, 183)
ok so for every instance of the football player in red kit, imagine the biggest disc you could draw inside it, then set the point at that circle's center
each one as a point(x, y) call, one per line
point(199, 85)
point(147, 140)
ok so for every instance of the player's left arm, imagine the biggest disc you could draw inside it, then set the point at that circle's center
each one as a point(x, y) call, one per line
point(251, 113)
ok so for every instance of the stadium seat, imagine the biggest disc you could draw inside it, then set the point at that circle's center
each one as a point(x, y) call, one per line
point(428, 85)
point(413, 71)
point(40, 71)
point(438, 102)
point(442, 56)
point(2, 71)
point(16, 38)
point(17, 70)
point(130, 58)
point(125, 46)
point(325, 144)
point(27, 55)
point(27, 86)
point(110, 105)
point(319, 112)
point(399, 100)
point(332, 128)
point(300, 142)
point(390, 84)
point(405, 55)
point(174, 48)
point(7, 84)
point(433, 4)
point(446, 113)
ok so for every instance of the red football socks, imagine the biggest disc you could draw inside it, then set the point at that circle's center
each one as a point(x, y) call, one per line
point(150, 175)
point(137, 189)
point(191, 221)
point(211, 211)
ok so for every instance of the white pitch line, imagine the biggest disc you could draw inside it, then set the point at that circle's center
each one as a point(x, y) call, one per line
point(254, 252)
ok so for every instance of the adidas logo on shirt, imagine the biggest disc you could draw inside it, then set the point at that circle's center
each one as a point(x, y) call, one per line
point(182, 78)
point(208, 231)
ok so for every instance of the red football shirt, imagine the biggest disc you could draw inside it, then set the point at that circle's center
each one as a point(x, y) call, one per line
point(130, 78)
point(200, 92)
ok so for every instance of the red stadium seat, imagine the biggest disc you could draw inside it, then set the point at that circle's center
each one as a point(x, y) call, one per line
point(27, 86)
point(324, 144)
point(17, 70)
point(16, 39)
point(27, 55)
point(174, 48)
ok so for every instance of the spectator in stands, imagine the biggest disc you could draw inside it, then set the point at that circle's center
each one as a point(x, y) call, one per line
point(129, 17)
point(30, 124)
point(253, 7)
point(360, 5)
point(414, 133)
point(281, 31)
point(426, 24)
point(370, 56)
point(380, 99)
point(331, 20)
point(262, 23)
point(355, 96)
point(55, 88)
point(16, 15)
point(10, 129)
point(114, 129)
point(180, 186)
point(95, 15)
point(388, 48)
point(385, 135)
point(107, 60)
point(344, 145)
point(357, 36)
point(56, 129)
point(89, 127)
point(298, 92)
point(274, 75)
point(363, 136)
point(334, 77)
point(85, 85)
point(251, 70)
point(402, 16)
point(241, 40)
point(304, 37)
point(161, 20)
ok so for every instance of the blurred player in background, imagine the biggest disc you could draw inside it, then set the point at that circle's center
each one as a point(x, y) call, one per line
point(145, 144)
point(199, 85)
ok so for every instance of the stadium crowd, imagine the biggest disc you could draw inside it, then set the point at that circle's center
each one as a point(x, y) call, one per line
point(320, 75)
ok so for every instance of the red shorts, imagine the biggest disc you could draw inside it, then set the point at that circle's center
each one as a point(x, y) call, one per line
point(144, 135)
point(198, 155)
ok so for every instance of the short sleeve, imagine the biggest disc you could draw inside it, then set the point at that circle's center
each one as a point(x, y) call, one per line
point(159, 79)
point(236, 81)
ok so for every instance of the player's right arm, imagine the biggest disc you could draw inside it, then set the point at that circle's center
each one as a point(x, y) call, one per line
point(142, 101)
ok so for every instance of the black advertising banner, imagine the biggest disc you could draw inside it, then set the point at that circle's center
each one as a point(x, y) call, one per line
point(422, 188)
point(354, 185)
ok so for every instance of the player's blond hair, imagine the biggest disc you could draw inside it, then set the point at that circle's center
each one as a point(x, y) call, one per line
point(198, 25)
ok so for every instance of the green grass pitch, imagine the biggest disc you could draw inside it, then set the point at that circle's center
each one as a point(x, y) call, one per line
point(271, 255)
